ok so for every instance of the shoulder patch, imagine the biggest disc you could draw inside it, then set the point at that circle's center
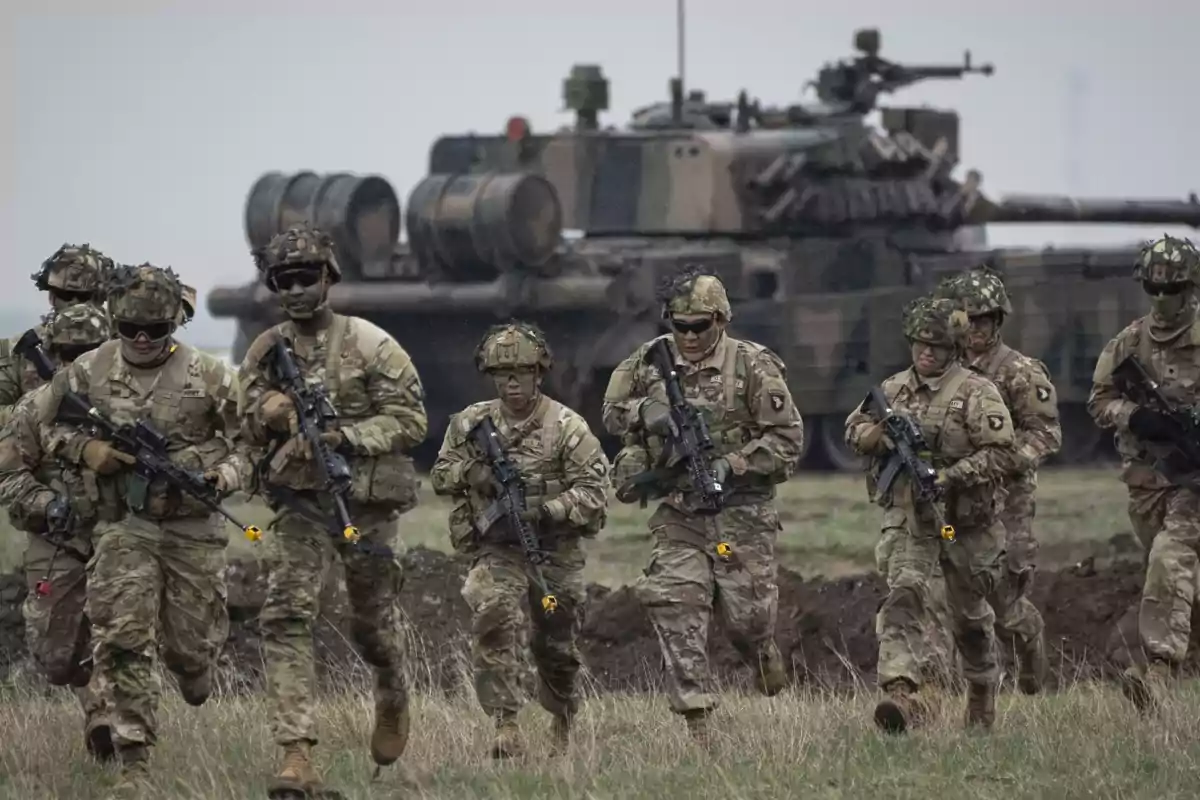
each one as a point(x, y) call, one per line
point(995, 422)
point(1043, 394)
point(778, 401)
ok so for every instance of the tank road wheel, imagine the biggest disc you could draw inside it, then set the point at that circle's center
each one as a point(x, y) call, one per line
point(831, 431)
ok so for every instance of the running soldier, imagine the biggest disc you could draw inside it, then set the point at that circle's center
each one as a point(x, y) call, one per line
point(57, 504)
point(565, 476)
point(704, 560)
point(156, 577)
point(965, 422)
point(373, 386)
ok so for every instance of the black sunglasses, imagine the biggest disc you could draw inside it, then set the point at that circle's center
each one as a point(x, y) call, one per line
point(304, 278)
point(1167, 289)
point(71, 297)
point(700, 326)
point(153, 330)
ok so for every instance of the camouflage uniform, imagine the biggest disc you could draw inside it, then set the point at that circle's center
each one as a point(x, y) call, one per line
point(157, 574)
point(73, 274)
point(56, 628)
point(740, 389)
point(965, 422)
point(566, 481)
point(373, 385)
point(1164, 512)
point(1032, 401)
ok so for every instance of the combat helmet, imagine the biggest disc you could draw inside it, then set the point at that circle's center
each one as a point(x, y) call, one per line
point(299, 245)
point(1168, 260)
point(979, 291)
point(187, 305)
point(511, 345)
point(77, 327)
point(74, 268)
point(694, 291)
point(935, 320)
point(144, 293)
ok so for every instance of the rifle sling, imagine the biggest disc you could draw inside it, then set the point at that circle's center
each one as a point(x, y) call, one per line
point(333, 355)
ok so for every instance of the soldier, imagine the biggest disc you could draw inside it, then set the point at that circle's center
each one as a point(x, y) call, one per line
point(566, 481)
point(158, 571)
point(373, 385)
point(38, 491)
point(74, 274)
point(1162, 508)
point(739, 387)
point(965, 421)
point(1032, 402)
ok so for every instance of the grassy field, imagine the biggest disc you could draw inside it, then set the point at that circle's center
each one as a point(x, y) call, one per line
point(829, 526)
point(1083, 742)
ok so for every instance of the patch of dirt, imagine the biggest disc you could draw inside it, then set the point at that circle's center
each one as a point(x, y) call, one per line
point(825, 629)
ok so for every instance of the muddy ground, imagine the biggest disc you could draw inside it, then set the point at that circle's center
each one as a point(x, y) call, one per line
point(825, 628)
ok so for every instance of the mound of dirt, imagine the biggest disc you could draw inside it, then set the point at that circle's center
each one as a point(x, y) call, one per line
point(825, 629)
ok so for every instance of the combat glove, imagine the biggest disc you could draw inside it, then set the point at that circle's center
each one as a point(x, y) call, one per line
point(101, 457)
point(1151, 426)
point(656, 417)
point(721, 471)
point(214, 478)
point(535, 513)
point(279, 413)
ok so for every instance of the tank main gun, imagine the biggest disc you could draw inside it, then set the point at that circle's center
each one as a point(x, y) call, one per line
point(853, 86)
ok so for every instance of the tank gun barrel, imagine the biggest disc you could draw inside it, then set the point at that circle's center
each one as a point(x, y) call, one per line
point(1062, 208)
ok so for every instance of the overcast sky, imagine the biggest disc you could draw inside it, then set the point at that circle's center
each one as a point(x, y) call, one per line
point(142, 130)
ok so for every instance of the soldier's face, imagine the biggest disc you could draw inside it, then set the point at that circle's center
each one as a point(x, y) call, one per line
point(930, 359)
point(983, 332)
point(695, 334)
point(1168, 300)
point(143, 342)
point(301, 290)
point(517, 387)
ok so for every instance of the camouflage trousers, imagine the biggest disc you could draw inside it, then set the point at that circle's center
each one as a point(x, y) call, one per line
point(150, 581)
point(686, 579)
point(1167, 521)
point(1018, 622)
point(973, 567)
point(302, 551)
point(57, 630)
point(499, 587)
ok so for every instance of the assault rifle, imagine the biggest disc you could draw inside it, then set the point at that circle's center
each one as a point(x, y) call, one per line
point(911, 455)
point(689, 433)
point(140, 440)
point(316, 414)
point(509, 504)
point(1177, 458)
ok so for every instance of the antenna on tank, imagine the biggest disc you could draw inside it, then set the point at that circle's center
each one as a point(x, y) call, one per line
point(676, 83)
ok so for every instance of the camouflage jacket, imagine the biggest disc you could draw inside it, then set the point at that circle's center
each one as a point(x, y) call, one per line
point(558, 456)
point(1174, 361)
point(371, 381)
point(17, 376)
point(190, 400)
point(741, 391)
point(1032, 401)
point(968, 428)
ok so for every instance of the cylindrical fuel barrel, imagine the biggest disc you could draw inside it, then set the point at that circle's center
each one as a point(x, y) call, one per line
point(361, 213)
point(473, 227)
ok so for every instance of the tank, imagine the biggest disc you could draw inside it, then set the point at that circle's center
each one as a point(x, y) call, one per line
point(821, 221)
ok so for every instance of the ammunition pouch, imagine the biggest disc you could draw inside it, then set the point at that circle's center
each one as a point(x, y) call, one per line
point(388, 481)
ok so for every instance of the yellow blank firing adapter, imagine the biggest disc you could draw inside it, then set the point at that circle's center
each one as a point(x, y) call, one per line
point(948, 533)
point(549, 603)
point(351, 534)
point(253, 532)
point(724, 550)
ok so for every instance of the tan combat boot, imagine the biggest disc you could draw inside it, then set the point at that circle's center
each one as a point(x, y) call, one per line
point(560, 733)
point(196, 688)
point(97, 737)
point(771, 678)
point(1146, 686)
point(699, 728)
point(981, 705)
point(901, 709)
point(390, 736)
point(297, 775)
point(135, 769)
point(507, 741)
point(1032, 658)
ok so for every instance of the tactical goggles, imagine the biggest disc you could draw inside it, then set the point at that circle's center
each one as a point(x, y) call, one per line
point(68, 296)
point(1167, 289)
point(305, 278)
point(699, 326)
point(153, 330)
